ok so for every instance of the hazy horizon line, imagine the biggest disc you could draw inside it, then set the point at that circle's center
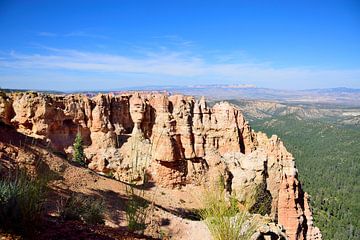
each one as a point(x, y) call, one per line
point(171, 87)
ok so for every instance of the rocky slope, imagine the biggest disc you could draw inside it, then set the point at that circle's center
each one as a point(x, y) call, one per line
point(171, 141)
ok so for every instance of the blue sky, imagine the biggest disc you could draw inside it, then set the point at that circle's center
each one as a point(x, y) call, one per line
point(104, 45)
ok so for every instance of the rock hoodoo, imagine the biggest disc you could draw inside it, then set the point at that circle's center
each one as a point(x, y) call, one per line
point(173, 140)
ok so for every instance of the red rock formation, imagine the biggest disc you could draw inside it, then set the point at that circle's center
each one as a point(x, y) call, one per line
point(312, 231)
point(174, 140)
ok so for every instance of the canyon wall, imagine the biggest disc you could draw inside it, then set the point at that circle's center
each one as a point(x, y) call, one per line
point(170, 140)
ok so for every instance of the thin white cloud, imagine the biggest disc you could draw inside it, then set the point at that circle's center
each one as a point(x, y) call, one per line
point(47, 34)
point(166, 64)
point(82, 34)
point(175, 40)
point(170, 64)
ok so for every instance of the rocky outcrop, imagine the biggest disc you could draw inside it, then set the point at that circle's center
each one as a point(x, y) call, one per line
point(171, 141)
point(312, 231)
point(270, 231)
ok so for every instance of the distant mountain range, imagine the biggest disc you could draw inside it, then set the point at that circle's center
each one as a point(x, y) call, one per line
point(332, 96)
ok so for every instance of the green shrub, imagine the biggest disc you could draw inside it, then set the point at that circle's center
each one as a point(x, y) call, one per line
point(262, 200)
point(21, 202)
point(137, 208)
point(94, 212)
point(72, 209)
point(136, 211)
point(87, 209)
point(79, 155)
point(224, 218)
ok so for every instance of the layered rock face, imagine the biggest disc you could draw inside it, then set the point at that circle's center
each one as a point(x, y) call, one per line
point(169, 140)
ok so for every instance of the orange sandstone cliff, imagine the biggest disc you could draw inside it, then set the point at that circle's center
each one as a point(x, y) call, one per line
point(171, 140)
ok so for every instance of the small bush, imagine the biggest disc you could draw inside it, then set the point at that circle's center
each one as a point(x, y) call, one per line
point(136, 212)
point(262, 200)
point(224, 218)
point(72, 209)
point(137, 208)
point(110, 174)
point(21, 202)
point(87, 209)
point(79, 155)
point(94, 213)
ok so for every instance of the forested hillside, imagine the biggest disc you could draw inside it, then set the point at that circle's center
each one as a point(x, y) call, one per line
point(328, 158)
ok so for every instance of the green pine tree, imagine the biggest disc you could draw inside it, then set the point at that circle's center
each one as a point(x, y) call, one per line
point(79, 155)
